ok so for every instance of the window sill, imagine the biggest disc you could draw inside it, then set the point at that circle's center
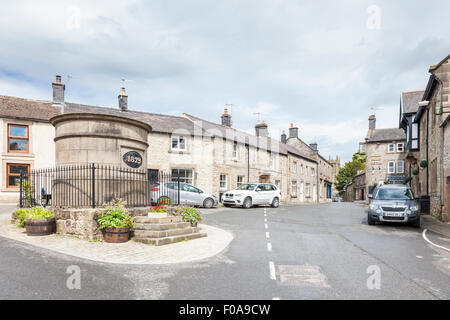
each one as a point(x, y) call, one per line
point(10, 190)
point(18, 154)
point(179, 151)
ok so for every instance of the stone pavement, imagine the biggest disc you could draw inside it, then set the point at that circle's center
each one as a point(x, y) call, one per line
point(431, 223)
point(125, 253)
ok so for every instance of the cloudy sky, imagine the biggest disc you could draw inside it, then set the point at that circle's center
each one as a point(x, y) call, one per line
point(320, 64)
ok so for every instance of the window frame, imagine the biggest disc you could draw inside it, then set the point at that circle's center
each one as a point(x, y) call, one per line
point(294, 166)
point(308, 190)
point(8, 174)
point(178, 138)
point(389, 148)
point(403, 147)
point(27, 139)
point(294, 188)
point(235, 151)
point(184, 178)
point(403, 166)
point(220, 181)
point(272, 160)
point(389, 167)
point(239, 184)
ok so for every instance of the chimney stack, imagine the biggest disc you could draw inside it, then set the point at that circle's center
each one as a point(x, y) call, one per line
point(123, 100)
point(261, 129)
point(313, 146)
point(226, 118)
point(58, 91)
point(293, 131)
point(372, 121)
point(283, 137)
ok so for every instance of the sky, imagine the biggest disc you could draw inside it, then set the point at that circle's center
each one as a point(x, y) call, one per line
point(323, 65)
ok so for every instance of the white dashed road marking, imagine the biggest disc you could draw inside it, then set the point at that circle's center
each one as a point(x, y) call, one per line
point(267, 235)
point(266, 226)
point(269, 247)
point(272, 271)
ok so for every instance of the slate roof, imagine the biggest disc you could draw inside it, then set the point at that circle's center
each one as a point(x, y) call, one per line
point(159, 122)
point(265, 143)
point(385, 135)
point(28, 109)
point(410, 101)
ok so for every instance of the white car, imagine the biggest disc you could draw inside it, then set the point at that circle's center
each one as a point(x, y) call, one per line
point(250, 194)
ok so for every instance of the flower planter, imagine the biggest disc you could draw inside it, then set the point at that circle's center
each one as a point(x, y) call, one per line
point(40, 227)
point(194, 224)
point(117, 235)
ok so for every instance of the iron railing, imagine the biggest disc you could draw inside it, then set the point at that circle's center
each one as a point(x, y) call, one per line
point(96, 185)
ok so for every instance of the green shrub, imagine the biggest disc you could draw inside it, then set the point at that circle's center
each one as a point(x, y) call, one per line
point(415, 172)
point(423, 163)
point(115, 216)
point(32, 213)
point(189, 214)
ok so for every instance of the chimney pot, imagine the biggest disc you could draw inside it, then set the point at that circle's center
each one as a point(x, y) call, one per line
point(123, 100)
point(226, 118)
point(58, 90)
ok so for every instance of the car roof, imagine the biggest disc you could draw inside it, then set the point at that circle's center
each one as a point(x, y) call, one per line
point(393, 186)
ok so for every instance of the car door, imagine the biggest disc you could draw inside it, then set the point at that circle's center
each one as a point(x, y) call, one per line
point(269, 192)
point(258, 194)
point(192, 194)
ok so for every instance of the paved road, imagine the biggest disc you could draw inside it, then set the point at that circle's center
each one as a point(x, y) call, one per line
point(294, 252)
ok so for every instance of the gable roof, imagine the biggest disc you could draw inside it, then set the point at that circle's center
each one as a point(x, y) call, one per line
point(386, 135)
point(410, 101)
point(27, 109)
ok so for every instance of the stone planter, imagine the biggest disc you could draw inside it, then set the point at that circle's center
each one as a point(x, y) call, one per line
point(40, 227)
point(194, 224)
point(117, 235)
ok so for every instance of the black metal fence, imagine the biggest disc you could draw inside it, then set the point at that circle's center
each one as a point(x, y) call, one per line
point(96, 185)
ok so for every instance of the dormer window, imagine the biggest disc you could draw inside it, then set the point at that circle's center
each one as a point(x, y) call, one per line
point(391, 147)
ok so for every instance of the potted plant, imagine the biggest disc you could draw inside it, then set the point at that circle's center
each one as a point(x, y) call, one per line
point(189, 214)
point(37, 221)
point(423, 163)
point(115, 223)
point(415, 172)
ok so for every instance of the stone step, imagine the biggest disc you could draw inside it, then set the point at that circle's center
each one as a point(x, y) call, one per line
point(163, 233)
point(158, 220)
point(161, 226)
point(172, 239)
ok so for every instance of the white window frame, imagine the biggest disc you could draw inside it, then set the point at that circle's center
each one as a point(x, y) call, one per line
point(272, 160)
point(177, 139)
point(389, 167)
point(402, 147)
point(307, 189)
point(185, 178)
point(402, 166)
point(313, 171)
point(239, 183)
point(293, 188)
point(235, 151)
point(389, 147)
point(294, 167)
point(220, 181)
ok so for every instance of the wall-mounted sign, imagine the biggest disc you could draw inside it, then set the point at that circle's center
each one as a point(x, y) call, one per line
point(132, 159)
point(396, 179)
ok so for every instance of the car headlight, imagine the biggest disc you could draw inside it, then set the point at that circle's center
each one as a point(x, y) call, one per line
point(414, 208)
point(373, 206)
point(408, 211)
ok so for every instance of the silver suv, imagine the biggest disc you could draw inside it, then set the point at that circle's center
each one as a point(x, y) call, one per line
point(393, 203)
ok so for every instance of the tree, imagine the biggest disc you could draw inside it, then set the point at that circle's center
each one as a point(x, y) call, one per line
point(347, 173)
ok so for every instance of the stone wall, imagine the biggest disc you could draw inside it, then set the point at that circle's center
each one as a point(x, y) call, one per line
point(82, 222)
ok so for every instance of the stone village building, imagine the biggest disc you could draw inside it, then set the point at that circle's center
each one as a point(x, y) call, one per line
point(428, 140)
point(385, 156)
point(214, 157)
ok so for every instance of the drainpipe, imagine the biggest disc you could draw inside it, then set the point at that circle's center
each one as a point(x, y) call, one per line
point(428, 119)
point(248, 162)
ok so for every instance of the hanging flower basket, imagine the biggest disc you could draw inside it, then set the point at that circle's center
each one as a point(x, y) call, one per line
point(415, 172)
point(423, 164)
point(407, 179)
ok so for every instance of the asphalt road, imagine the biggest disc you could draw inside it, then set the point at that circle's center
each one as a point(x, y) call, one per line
point(324, 251)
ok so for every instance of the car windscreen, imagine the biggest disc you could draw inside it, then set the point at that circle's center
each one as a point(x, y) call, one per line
point(394, 194)
point(247, 187)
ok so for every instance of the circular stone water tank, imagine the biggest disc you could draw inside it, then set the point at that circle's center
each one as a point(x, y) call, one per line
point(82, 138)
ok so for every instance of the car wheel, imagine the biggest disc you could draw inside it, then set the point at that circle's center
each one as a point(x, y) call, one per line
point(370, 221)
point(247, 204)
point(208, 203)
point(275, 203)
